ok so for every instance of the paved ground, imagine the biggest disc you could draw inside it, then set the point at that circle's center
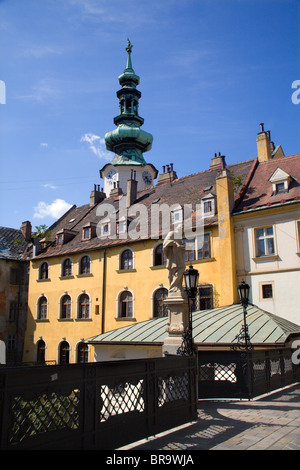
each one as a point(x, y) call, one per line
point(271, 422)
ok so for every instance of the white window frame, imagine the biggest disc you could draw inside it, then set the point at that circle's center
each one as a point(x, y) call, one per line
point(261, 285)
point(264, 237)
point(208, 199)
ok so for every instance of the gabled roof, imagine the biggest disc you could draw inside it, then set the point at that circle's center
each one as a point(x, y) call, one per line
point(12, 243)
point(214, 327)
point(259, 192)
point(185, 190)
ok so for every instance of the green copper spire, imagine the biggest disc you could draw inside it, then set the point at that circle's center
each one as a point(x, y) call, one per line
point(129, 49)
point(128, 141)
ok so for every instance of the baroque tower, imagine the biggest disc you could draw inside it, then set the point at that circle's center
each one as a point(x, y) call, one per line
point(128, 141)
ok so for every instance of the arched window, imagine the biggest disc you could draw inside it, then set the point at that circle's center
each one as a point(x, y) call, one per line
point(65, 307)
point(41, 352)
point(85, 265)
point(67, 267)
point(44, 271)
point(159, 257)
point(160, 308)
point(127, 259)
point(82, 353)
point(83, 306)
point(42, 308)
point(126, 305)
point(64, 353)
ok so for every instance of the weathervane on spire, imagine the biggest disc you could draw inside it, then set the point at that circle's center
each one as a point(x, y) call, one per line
point(129, 46)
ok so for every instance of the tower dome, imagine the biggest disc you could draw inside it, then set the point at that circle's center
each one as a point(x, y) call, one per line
point(128, 141)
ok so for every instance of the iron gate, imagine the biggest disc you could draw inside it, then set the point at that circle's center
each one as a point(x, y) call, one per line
point(97, 405)
point(241, 374)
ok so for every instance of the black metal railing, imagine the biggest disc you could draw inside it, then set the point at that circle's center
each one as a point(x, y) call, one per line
point(241, 374)
point(96, 405)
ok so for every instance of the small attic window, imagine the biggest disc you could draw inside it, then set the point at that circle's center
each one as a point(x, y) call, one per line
point(208, 206)
point(176, 216)
point(88, 231)
point(280, 188)
point(280, 181)
point(60, 239)
point(64, 236)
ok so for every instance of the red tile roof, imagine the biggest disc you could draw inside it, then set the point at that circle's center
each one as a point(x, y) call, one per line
point(185, 190)
point(259, 192)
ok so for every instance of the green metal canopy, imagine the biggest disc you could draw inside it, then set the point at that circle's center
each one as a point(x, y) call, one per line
point(214, 327)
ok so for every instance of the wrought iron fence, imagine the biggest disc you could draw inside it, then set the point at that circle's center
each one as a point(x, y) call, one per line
point(238, 374)
point(95, 405)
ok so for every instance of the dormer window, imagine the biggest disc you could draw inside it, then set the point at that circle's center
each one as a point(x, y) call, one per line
point(105, 229)
point(280, 188)
point(208, 205)
point(88, 231)
point(280, 182)
point(176, 215)
point(64, 236)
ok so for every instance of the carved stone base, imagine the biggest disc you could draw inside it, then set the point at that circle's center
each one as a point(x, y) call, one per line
point(177, 321)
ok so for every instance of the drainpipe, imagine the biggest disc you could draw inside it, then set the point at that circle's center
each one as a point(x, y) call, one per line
point(103, 291)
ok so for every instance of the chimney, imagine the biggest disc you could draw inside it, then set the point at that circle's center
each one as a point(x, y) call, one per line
point(131, 189)
point(97, 195)
point(26, 230)
point(266, 149)
point(218, 162)
point(168, 174)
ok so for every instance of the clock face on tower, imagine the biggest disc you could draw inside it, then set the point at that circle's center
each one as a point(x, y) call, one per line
point(110, 176)
point(147, 178)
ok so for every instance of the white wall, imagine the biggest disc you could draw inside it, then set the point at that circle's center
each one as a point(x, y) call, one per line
point(282, 271)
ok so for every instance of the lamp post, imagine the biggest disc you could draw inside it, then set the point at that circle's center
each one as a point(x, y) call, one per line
point(191, 277)
point(243, 337)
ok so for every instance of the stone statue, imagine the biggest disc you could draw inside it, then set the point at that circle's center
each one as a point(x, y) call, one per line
point(173, 248)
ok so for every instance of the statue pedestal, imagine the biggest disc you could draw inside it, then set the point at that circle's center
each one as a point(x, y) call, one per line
point(177, 322)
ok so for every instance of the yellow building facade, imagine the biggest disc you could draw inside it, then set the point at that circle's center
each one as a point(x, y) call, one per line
point(126, 281)
point(93, 276)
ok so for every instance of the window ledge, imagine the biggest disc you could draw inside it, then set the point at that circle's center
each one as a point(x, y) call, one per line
point(83, 319)
point(43, 280)
point(204, 260)
point(125, 319)
point(65, 319)
point(42, 320)
point(85, 275)
point(159, 266)
point(265, 258)
point(133, 270)
point(71, 276)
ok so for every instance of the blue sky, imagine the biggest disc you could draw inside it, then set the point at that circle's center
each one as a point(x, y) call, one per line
point(210, 72)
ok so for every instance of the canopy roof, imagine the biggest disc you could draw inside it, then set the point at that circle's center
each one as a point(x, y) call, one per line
point(214, 327)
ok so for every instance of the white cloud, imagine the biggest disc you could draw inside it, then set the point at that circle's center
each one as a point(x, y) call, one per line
point(49, 186)
point(55, 210)
point(43, 144)
point(97, 145)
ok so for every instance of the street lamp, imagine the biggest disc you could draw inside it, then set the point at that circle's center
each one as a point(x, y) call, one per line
point(191, 277)
point(243, 337)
